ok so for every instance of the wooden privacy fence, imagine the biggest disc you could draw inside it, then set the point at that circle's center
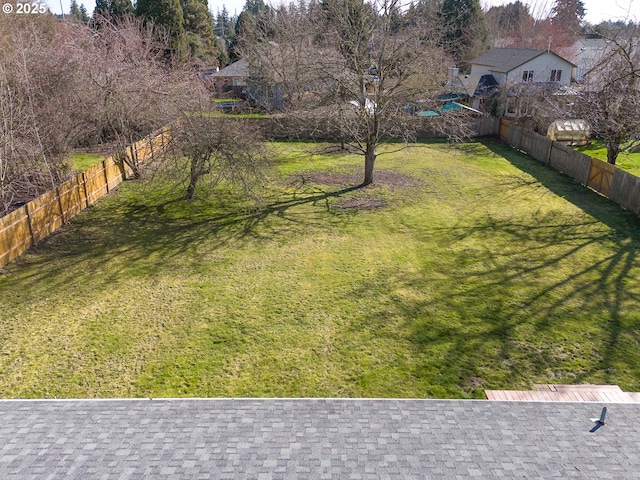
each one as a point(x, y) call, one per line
point(42, 216)
point(486, 127)
point(284, 128)
point(601, 176)
point(618, 185)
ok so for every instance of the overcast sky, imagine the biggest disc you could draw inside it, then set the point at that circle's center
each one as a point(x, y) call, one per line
point(214, 5)
point(597, 10)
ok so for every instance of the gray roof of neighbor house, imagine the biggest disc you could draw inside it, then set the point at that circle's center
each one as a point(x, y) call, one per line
point(316, 438)
point(236, 69)
point(600, 43)
point(473, 85)
point(507, 59)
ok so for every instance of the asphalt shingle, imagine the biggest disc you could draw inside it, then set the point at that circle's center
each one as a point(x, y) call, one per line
point(506, 59)
point(315, 438)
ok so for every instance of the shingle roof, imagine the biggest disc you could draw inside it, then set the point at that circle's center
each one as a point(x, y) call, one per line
point(236, 69)
point(599, 43)
point(315, 438)
point(464, 86)
point(506, 59)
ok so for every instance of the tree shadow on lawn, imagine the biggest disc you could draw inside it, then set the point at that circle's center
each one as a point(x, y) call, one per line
point(506, 316)
point(130, 238)
point(589, 201)
point(615, 278)
point(530, 306)
point(551, 299)
point(503, 304)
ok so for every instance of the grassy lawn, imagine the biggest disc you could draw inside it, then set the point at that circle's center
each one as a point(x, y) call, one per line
point(482, 270)
point(628, 161)
point(83, 161)
point(233, 114)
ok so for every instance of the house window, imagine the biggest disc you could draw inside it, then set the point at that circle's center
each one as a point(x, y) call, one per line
point(555, 75)
point(527, 75)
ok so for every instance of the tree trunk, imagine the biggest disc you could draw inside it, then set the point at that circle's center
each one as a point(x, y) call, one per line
point(613, 149)
point(123, 158)
point(191, 190)
point(120, 162)
point(194, 175)
point(369, 161)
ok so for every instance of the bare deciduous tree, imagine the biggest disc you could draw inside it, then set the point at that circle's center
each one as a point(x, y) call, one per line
point(212, 150)
point(610, 98)
point(351, 71)
point(39, 93)
point(135, 90)
point(64, 84)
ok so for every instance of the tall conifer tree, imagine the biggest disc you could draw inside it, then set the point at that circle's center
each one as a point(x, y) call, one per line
point(198, 26)
point(114, 8)
point(568, 15)
point(466, 29)
point(167, 14)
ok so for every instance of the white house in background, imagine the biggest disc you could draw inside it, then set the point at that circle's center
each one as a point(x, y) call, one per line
point(586, 53)
point(511, 66)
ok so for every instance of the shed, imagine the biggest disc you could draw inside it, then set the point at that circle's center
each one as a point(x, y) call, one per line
point(569, 132)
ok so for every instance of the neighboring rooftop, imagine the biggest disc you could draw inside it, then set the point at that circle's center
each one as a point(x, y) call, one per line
point(316, 438)
point(507, 59)
point(236, 69)
point(471, 85)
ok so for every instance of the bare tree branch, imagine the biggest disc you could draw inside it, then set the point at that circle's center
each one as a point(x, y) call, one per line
point(349, 72)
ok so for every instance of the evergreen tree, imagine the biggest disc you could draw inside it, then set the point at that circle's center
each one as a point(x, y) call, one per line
point(197, 18)
point(84, 15)
point(246, 24)
point(511, 22)
point(222, 23)
point(511, 16)
point(466, 29)
point(167, 14)
point(74, 11)
point(102, 7)
point(198, 26)
point(567, 15)
point(254, 6)
point(113, 8)
point(421, 11)
point(224, 30)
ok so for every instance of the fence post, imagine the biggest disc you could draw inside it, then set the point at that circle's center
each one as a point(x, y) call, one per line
point(520, 139)
point(86, 192)
point(106, 176)
point(26, 209)
point(134, 153)
point(151, 142)
point(60, 204)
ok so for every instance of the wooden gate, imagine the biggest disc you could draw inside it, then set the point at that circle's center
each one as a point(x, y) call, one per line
point(504, 129)
point(600, 176)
